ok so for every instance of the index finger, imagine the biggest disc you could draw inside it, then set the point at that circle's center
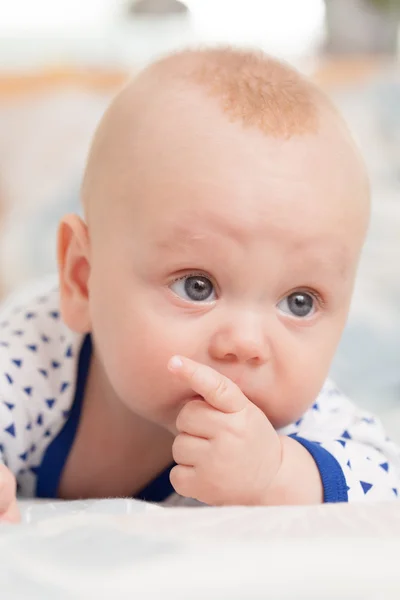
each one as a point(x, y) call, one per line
point(216, 389)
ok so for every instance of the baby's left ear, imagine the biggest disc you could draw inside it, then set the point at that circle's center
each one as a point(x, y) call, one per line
point(74, 270)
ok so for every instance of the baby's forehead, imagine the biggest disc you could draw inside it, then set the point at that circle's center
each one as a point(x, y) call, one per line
point(209, 238)
point(176, 108)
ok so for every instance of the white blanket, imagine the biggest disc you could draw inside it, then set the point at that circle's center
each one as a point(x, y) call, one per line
point(128, 549)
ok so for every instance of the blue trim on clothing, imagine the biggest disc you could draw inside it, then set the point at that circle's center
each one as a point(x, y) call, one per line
point(57, 452)
point(333, 480)
point(55, 457)
point(159, 489)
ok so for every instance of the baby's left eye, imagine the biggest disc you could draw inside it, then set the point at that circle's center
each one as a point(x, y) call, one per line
point(298, 304)
point(195, 288)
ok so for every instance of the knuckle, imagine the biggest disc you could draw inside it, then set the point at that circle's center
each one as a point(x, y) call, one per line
point(179, 480)
point(196, 374)
point(177, 448)
point(222, 388)
point(182, 420)
point(188, 414)
point(233, 426)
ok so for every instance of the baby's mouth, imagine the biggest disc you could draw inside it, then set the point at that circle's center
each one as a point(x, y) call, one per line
point(195, 397)
point(190, 398)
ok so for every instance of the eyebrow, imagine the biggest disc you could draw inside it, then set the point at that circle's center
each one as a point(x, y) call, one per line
point(181, 235)
point(336, 260)
point(184, 235)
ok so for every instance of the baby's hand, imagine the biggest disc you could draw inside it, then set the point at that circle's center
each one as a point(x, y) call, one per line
point(227, 451)
point(8, 502)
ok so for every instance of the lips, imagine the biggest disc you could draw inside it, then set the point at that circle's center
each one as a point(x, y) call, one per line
point(195, 397)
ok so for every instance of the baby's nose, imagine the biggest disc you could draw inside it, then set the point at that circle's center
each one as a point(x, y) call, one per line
point(243, 341)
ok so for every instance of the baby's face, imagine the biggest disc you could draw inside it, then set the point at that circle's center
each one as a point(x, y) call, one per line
point(233, 249)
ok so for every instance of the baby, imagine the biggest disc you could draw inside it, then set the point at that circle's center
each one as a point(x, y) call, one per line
point(199, 304)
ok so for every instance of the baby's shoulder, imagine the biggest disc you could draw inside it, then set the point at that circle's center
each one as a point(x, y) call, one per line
point(38, 364)
point(35, 344)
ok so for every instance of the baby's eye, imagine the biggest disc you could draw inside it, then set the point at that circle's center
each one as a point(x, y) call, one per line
point(298, 304)
point(195, 288)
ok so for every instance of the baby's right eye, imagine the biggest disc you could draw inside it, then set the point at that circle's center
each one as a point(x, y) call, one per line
point(194, 288)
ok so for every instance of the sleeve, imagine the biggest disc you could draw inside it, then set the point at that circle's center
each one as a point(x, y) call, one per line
point(355, 458)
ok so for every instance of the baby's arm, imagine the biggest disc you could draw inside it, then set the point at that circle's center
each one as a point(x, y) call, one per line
point(227, 451)
point(355, 458)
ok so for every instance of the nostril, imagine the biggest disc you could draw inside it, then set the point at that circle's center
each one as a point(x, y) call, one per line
point(230, 357)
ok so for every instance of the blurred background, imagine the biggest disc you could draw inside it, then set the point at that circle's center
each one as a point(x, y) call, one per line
point(62, 60)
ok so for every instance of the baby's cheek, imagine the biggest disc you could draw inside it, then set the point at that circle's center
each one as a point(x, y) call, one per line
point(142, 359)
point(297, 387)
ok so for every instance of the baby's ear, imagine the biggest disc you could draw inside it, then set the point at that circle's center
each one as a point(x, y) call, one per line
point(74, 270)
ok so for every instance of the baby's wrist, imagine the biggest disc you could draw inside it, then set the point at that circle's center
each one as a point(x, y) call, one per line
point(297, 481)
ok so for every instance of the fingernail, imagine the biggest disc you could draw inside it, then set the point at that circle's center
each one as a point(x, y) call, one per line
point(175, 363)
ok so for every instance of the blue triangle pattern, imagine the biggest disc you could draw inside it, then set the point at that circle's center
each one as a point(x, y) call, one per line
point(35, 470)
point(346, 435)
point(395, 491)
point(24, 456)
point(45, 339)
point(17, 362)
point(315, 406)
point(69, 353)
point(30, 315)
point(64, 386)
point(18, 332)
point(28, 391)
point(43, 372)
point(342, 442)
point(50, 402)
point(55, 364)
point(349, 464)
point(32, 347)
point(384, 466)
point(9, 405)
point(9, 378)
point(54, 314)
point(366, 486)
point(39, 420)
point(32, 448)
point(47, 433)
point(10, 429)
point(29, 426)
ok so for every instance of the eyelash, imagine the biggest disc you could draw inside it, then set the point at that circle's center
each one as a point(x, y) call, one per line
point(317, 297)
point(195, 274)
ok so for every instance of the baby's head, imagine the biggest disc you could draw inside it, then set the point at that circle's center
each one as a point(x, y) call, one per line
point(226, 206)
